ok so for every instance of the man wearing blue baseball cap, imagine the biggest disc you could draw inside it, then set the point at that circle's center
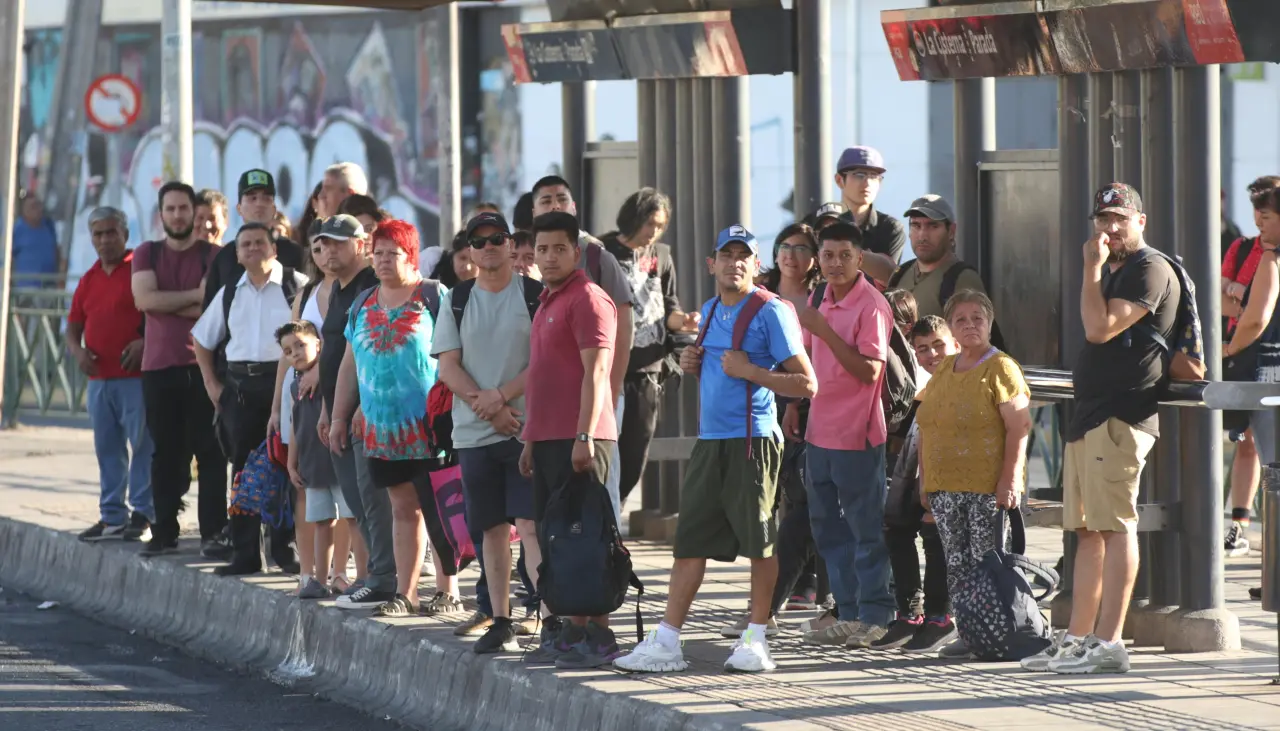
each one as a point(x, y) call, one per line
point(859, 174)
point(750, 347)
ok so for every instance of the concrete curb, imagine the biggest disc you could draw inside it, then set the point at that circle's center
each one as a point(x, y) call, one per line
point(411, 673)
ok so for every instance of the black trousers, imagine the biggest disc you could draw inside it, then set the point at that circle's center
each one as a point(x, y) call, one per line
point(642, 397)
point(797, 556)
point(180, 420)
point(245, 409)
point(905, 562)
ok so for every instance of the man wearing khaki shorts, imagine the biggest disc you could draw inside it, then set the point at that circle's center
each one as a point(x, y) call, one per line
point(727, 500)
point(1130, 293)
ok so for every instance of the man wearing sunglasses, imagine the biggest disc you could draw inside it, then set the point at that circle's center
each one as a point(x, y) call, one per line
point(859, 174)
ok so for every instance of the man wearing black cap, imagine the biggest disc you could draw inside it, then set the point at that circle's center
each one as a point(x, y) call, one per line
point(827, 214)
point(256, 203)
point(482, 341)
point(859, 174)
point(1129, 302)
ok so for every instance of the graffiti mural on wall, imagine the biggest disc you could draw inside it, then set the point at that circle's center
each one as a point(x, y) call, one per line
point(294, 95)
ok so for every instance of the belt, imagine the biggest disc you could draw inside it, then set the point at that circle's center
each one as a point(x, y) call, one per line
point(253, 370)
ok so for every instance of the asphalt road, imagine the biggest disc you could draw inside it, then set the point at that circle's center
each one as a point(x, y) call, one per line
point(62, 672)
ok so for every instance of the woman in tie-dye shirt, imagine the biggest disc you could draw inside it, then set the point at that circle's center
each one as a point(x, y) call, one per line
point(388, 363)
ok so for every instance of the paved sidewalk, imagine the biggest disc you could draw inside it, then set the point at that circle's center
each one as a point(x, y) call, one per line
point(48, 477)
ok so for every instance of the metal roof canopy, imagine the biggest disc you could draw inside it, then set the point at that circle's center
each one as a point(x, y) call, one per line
point(1056, 37)
point(383, 4)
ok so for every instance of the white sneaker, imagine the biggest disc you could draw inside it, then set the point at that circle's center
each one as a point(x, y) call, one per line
point(735, 630)
point(1090, 656)
point(750, 655)
point(1039, 663)
point(652, 656)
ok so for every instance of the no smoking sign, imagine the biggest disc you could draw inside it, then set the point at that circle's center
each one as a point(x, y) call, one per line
point(113, 102)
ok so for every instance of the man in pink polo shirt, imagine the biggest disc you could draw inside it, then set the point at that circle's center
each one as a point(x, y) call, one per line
point(848, 337)
point(570, 429)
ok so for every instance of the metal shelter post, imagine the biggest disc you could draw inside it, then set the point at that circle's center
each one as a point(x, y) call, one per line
point(686, 232)
point(176, 109)
point(812, 85)
point(1101, 150)
point(662, 479)
point(1156, 123)
point(704, 175)
point(1073, 227)
point(577, 100)
point(11, 41)
point(1203, 624)
point(449, 126)
point(730, 104)
point(975, 132)
point(646, 129)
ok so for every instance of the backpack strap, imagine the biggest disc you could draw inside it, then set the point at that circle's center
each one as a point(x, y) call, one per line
point(359, 303)
point(532, 294)
point(949, 279)
point(429, 290)
point(458, 297)
point(1243, 250)
point(289, 283)
point(758, 298)
point(594, 253)
point(819, 292)
point(896, 278)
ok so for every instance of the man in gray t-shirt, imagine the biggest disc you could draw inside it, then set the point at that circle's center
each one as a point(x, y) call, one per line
point(482, 342)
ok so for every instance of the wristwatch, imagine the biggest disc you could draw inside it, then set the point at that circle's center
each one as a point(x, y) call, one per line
point(583, 437)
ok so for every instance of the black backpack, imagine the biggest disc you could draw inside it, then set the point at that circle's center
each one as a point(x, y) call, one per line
point(288, 283)
point(996, 613)
point(585, 568)
point(899, 393)
point(948, 287)
point(461, 294)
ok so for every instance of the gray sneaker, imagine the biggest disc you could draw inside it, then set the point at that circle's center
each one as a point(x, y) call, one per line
point(957, 650)
point(556, 638)
point(864, 635)
point(597, 648)
point(1090, 656)
point(1039, 663)
point(314, 590)
point(836, 634)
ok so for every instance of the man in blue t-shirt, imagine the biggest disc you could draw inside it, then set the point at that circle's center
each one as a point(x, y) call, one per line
point(35, 243)
point(727, 501)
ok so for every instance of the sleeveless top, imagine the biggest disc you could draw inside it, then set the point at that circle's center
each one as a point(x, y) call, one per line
point(311, 309)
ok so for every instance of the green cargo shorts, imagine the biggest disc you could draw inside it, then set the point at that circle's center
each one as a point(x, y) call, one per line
point(727, 501)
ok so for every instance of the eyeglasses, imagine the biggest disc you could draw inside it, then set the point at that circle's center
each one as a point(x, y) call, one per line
point(795, 250)
point(479, 242)
point(864, 176)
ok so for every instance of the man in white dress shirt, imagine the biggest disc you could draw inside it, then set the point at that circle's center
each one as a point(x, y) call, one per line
point(242, 319)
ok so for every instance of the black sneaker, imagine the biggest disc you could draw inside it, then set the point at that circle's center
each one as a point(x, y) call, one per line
point(139, 528)
point(238, 569)
point(364, 598)
point(901, 631)
point(102, 532)
point(157, 547)
point(1255, 592)
point(500, 637)
point(597, 648)
point(933, 635)
point(1236, 543)
point(556, 639)
point(217, 548)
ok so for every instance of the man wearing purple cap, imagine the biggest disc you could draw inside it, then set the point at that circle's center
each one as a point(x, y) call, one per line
point(859, 174)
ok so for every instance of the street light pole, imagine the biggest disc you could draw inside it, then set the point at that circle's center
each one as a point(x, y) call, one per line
point(176, 107)
point(11, 41)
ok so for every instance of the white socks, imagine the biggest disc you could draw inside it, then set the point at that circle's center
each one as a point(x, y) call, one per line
point(668, 636)
point(758, 632)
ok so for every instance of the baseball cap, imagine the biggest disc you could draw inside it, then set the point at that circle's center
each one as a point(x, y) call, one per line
point(1117, 198)
point(737, 233)
point(860, 157)
point(487, 218)
point(829, 210)
point(931, 206)
point(254, 179)
point(340, 227)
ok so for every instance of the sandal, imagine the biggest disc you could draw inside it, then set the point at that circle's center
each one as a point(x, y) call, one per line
point(443, 603)
point(399, 607)
point(338, 584)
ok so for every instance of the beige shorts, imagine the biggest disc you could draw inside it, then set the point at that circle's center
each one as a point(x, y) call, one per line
point(1100, 478)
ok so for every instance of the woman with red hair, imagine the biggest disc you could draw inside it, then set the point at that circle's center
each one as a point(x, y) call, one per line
point(388, 370)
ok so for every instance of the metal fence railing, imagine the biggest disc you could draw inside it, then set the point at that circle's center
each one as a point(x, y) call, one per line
point(40, 377)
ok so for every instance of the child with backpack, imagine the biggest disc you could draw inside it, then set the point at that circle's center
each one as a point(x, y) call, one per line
point(905, 517)
point(320, 499)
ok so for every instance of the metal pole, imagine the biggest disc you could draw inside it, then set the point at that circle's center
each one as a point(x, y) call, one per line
point(1203, 624)
point(575, 135)
point(812, 84)
point(1073, 227)
point(705, 224)
point(449, 125)
point(1156, 133)
point(686, 238)
point(11, 40)
point(1101, 150)
point(659, 476)
point(176, 108)
point(1126, 128)
point(730, 105)
point(646, 128)
point(975, 131)
point(112, 182)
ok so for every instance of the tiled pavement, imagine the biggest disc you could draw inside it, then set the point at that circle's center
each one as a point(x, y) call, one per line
point(49, 477)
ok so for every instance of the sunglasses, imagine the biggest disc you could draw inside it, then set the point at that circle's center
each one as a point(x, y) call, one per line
point(478, 242)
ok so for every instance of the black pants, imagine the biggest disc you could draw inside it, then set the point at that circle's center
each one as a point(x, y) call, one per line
point(797, 556)
point(245, 409)
point(905, 561)
point(180, 420)
point(642, 397)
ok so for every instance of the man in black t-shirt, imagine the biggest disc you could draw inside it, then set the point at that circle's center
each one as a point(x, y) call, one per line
point(859, 173)
point(1130, 293)
point(256, 203)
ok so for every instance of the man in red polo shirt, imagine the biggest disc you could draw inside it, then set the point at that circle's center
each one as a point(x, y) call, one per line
point(103, 314)
point(570, 429)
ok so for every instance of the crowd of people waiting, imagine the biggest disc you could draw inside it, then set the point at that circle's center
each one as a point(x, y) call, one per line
point(336, 339)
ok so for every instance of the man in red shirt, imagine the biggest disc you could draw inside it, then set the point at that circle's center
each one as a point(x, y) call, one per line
point(103, 314)
point(570, 428)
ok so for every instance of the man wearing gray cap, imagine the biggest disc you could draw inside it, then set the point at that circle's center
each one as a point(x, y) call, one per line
point(937, 273)
point(859, 174)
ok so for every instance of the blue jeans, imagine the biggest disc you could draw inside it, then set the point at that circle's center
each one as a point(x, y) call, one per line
point(119, 418)
point(846, 490)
